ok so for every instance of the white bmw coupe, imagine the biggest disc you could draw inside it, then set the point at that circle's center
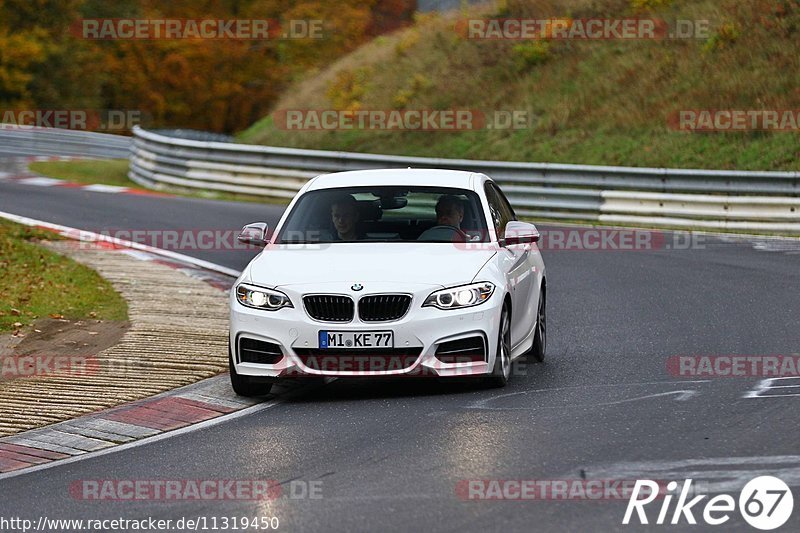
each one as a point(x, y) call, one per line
point(389, 273)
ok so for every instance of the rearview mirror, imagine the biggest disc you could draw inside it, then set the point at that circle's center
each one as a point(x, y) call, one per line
point(520, 233)
point(255, 234)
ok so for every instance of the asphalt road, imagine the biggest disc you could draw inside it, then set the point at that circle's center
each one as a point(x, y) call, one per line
point(388, 456)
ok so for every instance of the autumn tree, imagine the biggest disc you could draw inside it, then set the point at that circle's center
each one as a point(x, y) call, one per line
point(218, 85)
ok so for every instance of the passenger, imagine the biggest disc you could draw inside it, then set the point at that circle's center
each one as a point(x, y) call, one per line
point(449, 211)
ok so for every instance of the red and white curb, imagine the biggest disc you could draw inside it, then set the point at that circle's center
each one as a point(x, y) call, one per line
point(40, 181)
point(185, 409)
point(197, 406)
point(200, 402)
point(28, 178)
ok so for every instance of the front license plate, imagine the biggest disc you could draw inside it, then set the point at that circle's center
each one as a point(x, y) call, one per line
point(356, 339)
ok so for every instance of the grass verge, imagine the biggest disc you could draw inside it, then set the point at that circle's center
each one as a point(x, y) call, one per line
point(90, 171)
point(38, 283)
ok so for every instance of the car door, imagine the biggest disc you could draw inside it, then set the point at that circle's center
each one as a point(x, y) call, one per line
point(516, 262)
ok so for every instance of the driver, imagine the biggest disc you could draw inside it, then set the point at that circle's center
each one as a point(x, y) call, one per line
point(344, 214)
point(449, 215)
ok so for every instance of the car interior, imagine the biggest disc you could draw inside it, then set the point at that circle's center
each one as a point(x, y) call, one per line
point(384, 216)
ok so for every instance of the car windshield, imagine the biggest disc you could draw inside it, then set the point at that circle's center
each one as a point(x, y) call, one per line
point(385, 214)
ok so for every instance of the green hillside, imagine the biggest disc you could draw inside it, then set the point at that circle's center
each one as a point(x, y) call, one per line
point(592, 102)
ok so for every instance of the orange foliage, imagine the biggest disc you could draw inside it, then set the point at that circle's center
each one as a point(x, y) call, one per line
point(219, 85)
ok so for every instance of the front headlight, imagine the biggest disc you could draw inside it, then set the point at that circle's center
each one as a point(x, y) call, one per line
point(260, 298)
point(460, 297)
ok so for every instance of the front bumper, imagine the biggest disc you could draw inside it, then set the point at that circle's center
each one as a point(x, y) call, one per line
point(419, 332)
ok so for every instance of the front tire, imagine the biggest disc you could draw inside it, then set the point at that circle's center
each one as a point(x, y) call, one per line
point(502, 360)
point(539, 348)
point(244, 385)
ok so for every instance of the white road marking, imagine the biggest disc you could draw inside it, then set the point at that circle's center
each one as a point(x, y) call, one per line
point(682, 395)
point(785, 387)
point(724, 474)
point(99, 187)
point(40, 181)
point(785, 246)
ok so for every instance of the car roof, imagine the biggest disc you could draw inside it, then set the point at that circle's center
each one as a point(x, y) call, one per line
point(395, 176)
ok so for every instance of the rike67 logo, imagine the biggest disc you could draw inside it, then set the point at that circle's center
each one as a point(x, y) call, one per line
point(765, 503)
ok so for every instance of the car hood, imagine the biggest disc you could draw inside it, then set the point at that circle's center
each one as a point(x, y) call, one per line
point(438, 264)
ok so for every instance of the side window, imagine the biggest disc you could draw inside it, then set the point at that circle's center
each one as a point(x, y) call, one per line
point(497, 211)
point(505, 205)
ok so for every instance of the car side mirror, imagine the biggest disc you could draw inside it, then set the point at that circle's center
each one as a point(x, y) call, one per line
point(255, 234)
point(520, 233)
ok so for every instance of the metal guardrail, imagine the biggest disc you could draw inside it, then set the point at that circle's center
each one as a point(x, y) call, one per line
point(47, 142)
point(712, 199)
